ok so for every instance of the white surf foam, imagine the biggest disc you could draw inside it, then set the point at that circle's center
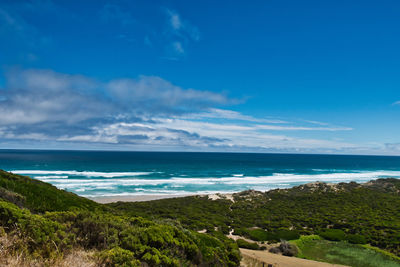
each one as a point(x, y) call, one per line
point(276, 178)
point(51, 177)
point(108, 183)
point(82, 173)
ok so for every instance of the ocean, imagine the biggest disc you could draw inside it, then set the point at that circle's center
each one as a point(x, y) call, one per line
point(105, 173)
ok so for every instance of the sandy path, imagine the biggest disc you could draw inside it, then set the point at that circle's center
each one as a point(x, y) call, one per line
point(255, 258)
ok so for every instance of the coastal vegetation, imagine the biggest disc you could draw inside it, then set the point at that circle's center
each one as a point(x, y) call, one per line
point(43, 225)
point(245, 244)
point(357, 213)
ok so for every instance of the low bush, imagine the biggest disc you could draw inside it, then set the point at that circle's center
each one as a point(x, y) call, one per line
point(41, 237)
point(213, 250)
point(288, 249)
point(258, 235)
point(356, 239)
point(39, 196)
point(118, 257)
point(244, 244)
point(333, 234)
point(285, 248)
point(262, 235)
point(287, 234)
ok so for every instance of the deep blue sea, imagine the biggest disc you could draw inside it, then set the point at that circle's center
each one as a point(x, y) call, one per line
point(101, 173)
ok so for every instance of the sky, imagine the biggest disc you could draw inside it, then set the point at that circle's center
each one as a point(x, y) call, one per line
point(219, 76)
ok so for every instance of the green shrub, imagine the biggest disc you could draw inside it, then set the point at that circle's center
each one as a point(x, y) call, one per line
point(333, 234)
point(244, 244)
point(262, 235)
point(255, 234)
point(370, 208)
point(356, 239)
point(118, 257)
point(233, 255)
point(258, 235)
point(304, 239)
point(41, 236)
point(211, 248)
point(285, 234)
point(39, 196)
point(152, 243)
point(239, 231)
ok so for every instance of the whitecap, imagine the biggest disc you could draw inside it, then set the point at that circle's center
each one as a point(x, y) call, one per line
point(51, 177)
point(82, 173)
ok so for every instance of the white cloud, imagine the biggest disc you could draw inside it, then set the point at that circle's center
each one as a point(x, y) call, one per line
point(231, 115)
point(241, 135)
point(50, 102)
point(393, 146)
point(182, 134)
point(149, 111)
point(33, 96)
point(175, 20)
point(316, 122)
point(180, 32)
point(178, 47)
point(302, 128)
point(154, 94)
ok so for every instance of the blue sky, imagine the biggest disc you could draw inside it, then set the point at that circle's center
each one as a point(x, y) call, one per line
point(260, 76)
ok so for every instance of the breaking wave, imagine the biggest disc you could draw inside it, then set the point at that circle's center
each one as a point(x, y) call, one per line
point(91, 183)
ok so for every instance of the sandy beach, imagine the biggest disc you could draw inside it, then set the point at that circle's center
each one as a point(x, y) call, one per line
point(133, 198)
point(137, 198)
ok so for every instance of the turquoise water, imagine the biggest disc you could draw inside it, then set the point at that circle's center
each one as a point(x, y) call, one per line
point(94, 173)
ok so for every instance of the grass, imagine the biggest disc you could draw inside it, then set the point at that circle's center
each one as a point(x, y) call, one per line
point(390, 255)
point(314, 248)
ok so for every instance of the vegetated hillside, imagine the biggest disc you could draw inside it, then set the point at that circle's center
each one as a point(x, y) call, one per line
point(358, 213)
point(39, 196)
point(41, 225)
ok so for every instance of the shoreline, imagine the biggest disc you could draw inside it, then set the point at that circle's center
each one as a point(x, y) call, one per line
point(135, 198)
point(142, 198)
point(212, 196)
